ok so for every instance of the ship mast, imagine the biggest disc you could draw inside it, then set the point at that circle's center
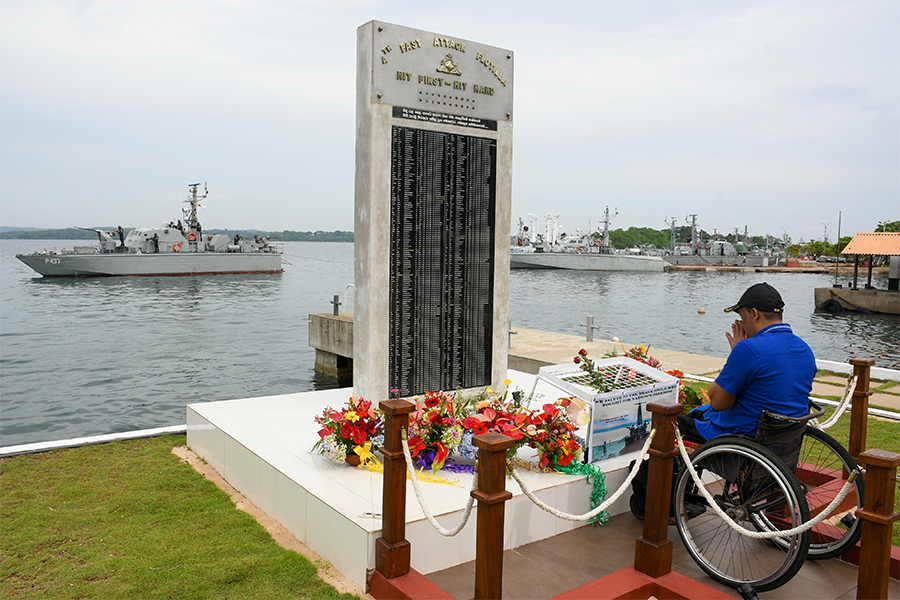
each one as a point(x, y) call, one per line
point(191, 222)
point(605, 248)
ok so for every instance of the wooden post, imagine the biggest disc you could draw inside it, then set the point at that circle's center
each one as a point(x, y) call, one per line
point(859, 412)
point(491, 494)
point(392, 548)
point(877, 516)
point(653, 550)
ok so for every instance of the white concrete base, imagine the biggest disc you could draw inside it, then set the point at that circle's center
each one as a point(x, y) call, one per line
point(261, 446)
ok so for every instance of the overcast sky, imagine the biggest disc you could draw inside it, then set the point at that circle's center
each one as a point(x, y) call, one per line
point(773, 115)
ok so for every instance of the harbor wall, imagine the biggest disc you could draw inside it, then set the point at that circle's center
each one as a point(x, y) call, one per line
point(878, 301)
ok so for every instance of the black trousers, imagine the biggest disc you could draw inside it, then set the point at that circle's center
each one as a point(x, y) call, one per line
point(688, 428)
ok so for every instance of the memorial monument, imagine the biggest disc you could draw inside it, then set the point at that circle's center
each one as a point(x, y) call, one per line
point(434, 121)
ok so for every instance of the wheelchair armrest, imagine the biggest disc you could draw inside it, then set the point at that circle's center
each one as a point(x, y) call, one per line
point(818, 412)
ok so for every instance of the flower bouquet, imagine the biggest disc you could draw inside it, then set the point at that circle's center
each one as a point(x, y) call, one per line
point(689, 396)
point(435, 429)
point(639, 353)
point(488, 412)
point(552, 432)
point(350, 435)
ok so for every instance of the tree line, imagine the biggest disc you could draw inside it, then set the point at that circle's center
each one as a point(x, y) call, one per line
point(80, 234)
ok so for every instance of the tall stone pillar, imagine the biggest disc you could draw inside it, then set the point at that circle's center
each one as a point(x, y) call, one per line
point(432, 218)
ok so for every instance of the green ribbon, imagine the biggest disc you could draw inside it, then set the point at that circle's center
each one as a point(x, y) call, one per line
point(597, 480)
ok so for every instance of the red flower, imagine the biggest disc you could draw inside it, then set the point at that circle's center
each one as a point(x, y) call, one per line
point(325, 431)
point(359, 435)
point(577, 359)
point(480, 428)
point(582, 352)
point(345, 430)
point(565, 460)
point(470, 422)
point(545, 460)
point(415, 445)
point(431, 400)
point(440, 457)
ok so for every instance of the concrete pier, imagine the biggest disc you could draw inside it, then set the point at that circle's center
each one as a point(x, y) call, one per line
point(859, 300)
point(332, 337)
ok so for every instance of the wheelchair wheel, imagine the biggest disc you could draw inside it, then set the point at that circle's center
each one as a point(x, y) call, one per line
point(752, 486)
point(822, 470)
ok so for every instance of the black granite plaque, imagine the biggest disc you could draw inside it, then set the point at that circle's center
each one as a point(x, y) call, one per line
point(443, 195)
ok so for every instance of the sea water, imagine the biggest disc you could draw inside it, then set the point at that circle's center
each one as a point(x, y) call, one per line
point(102, 355)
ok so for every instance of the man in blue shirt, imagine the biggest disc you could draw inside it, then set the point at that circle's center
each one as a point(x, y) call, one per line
point(769, 368)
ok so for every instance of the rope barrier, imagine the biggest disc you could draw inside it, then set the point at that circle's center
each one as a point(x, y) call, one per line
point(759, 534)
point(437, 526)
point(603, 506)
point(839, 411)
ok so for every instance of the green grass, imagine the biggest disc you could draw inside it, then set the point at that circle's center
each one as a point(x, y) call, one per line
point(130, 520)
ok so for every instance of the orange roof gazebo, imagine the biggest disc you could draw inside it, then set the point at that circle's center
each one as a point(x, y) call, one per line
point(873, 244)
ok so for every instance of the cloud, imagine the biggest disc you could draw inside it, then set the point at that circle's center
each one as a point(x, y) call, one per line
point(737, 112)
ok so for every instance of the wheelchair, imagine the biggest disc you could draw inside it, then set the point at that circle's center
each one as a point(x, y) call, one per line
point(778, 480)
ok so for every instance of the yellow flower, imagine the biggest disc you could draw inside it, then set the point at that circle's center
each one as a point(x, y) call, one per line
point(351, 416)
point(506, 382)
point(489, 390)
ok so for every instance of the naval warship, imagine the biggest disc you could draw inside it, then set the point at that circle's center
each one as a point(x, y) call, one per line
point(173, 249)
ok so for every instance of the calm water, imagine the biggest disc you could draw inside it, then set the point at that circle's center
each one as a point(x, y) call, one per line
point(89, 356)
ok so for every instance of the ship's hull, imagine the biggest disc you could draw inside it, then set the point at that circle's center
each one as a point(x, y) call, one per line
point(712, 260)
point(145, 265)
point(585, 262)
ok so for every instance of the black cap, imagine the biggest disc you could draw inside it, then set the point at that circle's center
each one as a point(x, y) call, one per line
point(762, 296)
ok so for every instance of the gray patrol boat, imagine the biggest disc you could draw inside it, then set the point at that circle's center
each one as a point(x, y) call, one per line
point(172, 249)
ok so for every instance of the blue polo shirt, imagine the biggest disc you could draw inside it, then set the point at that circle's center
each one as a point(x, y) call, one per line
point(773, 370)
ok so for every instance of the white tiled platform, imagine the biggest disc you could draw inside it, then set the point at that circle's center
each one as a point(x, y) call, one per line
point(261, 446)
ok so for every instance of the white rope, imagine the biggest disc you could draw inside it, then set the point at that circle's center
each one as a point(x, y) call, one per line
point(603, 506)
point(466, 512)
point(839, 411)
point(759, 534)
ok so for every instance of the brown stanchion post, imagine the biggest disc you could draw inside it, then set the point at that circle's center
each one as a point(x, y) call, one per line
point(491, 495)
point(877, 516)
point(653, 551)
point(392, 548)
point(859, 412)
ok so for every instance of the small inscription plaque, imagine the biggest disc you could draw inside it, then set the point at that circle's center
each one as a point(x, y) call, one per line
point(428, 116)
